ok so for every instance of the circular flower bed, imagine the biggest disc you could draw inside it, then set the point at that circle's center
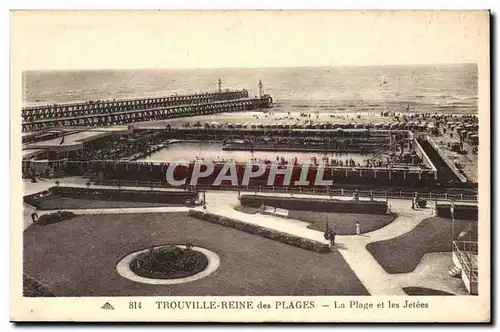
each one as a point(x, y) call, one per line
point(123, 267)
point(168, 262)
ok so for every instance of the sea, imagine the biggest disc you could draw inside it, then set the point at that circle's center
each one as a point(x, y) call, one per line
point(423, 88)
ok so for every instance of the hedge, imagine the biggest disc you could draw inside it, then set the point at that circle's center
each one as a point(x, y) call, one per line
point(55, 217)
point(262, 231)
point(318, 205)
point(465, 212)
point(33, 198)
point(172, 197)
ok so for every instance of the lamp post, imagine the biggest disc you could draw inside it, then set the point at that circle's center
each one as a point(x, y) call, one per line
point(470, 255)
point(452, 211)
point(252, 147)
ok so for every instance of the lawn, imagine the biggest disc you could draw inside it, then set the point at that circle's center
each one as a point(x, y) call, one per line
point(78, 257)
point(56, 202)
point(403, 253)
point(343, 223)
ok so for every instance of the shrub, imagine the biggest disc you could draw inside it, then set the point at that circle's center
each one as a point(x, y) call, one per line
point(33, 288)
point(262, 231)
point(55, 217)
point(172, 197)
point(168, 262)
point(168, 259)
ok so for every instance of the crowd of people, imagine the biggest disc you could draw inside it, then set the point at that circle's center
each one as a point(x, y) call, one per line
point(113, 149)
point(118, 147)
point(398, 120)
point(383, 161)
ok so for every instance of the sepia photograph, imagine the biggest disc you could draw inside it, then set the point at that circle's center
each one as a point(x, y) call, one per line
point(172, 165)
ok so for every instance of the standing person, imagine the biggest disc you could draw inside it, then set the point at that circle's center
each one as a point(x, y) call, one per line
point(358, 230)
point(327, 234)
point(415, 200)
point(330, 235)
point(332, 238)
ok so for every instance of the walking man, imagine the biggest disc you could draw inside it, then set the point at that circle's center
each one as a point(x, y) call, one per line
point(358, 230)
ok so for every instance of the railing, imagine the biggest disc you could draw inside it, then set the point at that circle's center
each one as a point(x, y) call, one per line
point(298, 190)
point(326, 167)
point(463, 251)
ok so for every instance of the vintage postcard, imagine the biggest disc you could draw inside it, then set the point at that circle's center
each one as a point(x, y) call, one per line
point(267, 166)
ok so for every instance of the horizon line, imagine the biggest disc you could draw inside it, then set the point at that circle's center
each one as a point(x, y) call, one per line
point(255, 67)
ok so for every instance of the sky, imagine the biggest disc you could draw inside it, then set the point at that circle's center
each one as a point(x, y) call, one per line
point(132, 40)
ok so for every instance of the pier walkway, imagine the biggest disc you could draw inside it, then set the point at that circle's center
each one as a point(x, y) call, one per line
point(124, 115)
point(68, 110)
